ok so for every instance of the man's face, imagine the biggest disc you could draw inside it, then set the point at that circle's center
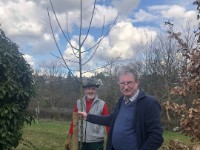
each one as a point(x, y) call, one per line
point(128, 85)
point(90, 92)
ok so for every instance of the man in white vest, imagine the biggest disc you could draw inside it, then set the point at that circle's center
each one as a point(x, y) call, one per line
point(93, 135)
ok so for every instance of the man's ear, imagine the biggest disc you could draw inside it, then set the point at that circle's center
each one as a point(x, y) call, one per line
point(137, 83)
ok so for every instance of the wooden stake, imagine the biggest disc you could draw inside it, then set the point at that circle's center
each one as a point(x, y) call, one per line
point(74, 145)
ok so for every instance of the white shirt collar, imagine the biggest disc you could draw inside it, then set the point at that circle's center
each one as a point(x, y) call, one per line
point(133, 98)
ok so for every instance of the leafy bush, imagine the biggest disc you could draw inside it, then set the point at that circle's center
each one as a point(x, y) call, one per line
point(16, 89)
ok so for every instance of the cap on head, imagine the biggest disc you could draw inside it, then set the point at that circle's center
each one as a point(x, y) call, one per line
point(90, 83)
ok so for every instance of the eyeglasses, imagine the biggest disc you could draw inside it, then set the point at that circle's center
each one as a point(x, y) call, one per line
point(129, 83)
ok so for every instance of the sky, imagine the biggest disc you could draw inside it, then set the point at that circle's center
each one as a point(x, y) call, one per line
point(26, 23)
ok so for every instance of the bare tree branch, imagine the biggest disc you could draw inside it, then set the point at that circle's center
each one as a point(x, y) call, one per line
point(109, 63)
point(80, 32)
point(68, 40)
point(59, 49)
point(64, 58)
point(90, 24)
point(102, 37)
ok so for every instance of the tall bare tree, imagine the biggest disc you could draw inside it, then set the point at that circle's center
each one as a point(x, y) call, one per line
point(79, 50)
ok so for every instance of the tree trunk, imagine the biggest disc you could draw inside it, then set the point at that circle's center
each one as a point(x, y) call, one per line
point(168, 116)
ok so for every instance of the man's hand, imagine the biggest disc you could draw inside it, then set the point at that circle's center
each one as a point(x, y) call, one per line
point(68, 141)
point(82, 115)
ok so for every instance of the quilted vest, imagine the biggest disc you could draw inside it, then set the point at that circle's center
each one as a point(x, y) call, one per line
point(91, 132)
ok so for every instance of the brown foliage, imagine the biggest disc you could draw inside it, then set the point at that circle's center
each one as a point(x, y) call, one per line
point(190, 75)
point(177, 145)
point(190, 85)
point(190, 123)
point(174, 107)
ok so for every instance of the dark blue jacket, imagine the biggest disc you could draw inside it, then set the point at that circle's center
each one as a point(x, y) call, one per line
point(148, 126)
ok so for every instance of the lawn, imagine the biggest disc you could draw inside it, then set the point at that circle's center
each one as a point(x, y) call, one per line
point(45, 135)
point(51, 135)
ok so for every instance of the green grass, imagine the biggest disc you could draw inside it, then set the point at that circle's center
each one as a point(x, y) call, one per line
point(45, 135)
point(170, 135)
point(51, 135)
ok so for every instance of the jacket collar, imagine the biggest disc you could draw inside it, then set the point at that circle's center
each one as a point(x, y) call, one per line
point(140, 96)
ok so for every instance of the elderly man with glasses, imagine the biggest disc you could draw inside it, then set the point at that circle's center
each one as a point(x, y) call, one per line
point(135, 123)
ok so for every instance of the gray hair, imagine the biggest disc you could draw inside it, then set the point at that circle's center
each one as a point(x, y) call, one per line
point(127, 69)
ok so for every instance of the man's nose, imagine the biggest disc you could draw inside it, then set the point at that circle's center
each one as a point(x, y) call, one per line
point(126, 86)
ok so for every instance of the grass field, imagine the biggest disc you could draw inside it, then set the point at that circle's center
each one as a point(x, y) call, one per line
point(46, 135)
point(51, 135)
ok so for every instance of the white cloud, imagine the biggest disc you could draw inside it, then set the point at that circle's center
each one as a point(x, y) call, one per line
point(158, 7)
point(179, 16)
point(71, 55)
point(126, 6)
point(47, 37)
point(124, 39)
point(143, 15)
point(88, 74)
point(173, 12)
point(26, 23)
point(158, 14)
point(30, 60)
point(100, 13)
point(190, 14)
point(62, 6)
point(19, 18)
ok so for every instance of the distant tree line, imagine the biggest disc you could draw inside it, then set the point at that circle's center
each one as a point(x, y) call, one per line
point(159, 64)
